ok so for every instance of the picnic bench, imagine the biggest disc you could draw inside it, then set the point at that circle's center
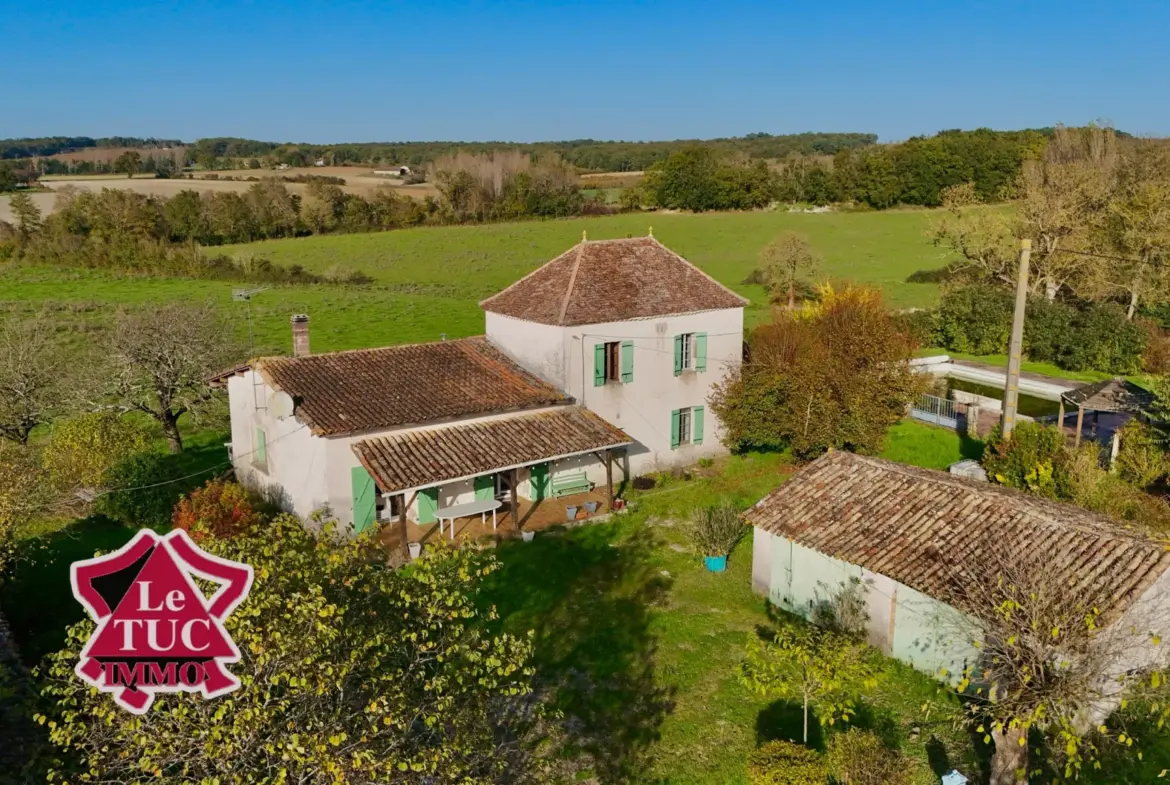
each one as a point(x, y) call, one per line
point(569, 483)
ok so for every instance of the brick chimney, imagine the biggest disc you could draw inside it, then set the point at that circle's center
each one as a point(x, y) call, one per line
point(300, 331)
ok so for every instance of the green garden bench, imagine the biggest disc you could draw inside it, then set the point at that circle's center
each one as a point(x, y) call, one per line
point(570, 483)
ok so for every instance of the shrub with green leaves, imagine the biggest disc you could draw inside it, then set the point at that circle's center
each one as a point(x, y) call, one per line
point(1048, 328)
point(717, 529)
point(976, 319)
point(82, 449)
point(1034, 459)
point(145, 489)
point(1142, 460)
point(786, 763)
point(858, 757)
point(351, 673)
point(1103, 339)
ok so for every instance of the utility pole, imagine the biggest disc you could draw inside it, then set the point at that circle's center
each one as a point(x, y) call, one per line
point(1011, 392)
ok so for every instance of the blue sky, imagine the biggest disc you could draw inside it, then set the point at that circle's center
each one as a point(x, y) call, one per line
point(524, 71)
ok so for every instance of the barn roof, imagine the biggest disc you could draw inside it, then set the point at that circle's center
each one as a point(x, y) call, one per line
point(915, 525)
point(600, 281)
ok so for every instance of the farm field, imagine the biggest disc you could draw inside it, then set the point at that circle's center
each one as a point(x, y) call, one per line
point(358, 181)
point(428, 281)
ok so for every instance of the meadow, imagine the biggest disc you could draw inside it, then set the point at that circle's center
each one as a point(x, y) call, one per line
point(428, 281)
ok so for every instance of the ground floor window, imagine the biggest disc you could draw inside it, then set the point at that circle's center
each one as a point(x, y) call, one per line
point(686, 426)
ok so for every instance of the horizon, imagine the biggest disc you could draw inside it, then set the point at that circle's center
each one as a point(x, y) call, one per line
point(612, 71)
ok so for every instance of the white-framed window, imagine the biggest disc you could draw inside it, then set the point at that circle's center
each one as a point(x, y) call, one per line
point(684, 426)
point(688, 351)
point(260, 450)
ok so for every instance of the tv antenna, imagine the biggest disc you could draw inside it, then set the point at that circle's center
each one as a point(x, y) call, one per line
point(245, 296)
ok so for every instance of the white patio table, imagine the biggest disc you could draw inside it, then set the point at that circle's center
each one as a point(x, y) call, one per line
point(466, 510)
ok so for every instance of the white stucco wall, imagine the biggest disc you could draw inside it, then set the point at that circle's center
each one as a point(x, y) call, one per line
point(308, 473)
point(642, 408)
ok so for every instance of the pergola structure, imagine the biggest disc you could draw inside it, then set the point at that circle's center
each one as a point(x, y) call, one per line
point(1112, 395)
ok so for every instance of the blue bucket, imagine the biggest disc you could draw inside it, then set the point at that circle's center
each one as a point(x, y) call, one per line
point(715, 563)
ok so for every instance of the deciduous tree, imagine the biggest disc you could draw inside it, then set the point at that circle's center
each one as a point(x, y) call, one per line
point(351, 672)
point(35, 375)
point(823, 670)
point(1136, 227)
point(129, 162)
point(786, 262)
point(1053, 655)
point(835, 374)
point(161, 358)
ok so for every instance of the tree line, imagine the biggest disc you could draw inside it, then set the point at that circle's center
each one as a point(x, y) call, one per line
point(52, 145)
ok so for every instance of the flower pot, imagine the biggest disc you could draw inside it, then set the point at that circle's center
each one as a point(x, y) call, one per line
point(570, 512)
point(590, 507)
point(415, 549)
point(619, 504)
point(527, 536)
point(715, 563)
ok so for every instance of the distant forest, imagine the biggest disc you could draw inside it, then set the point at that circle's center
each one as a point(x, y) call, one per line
point(52, 145)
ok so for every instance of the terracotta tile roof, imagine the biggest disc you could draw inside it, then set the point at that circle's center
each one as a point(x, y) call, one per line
point(366, 389)
point(1111, 395)
point(420, 458)
point(908, 523)
point(610, 281)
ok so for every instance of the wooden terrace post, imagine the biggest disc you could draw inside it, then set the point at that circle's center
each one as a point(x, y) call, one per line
point(402, 528)
point(609, 478)
point(512, 483)
point(1080, 424)
point(1060, 416)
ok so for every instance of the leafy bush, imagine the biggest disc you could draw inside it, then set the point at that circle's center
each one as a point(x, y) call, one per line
point(1034, 459)
point(1156, 357)
point(976, 319)
point(922, 325)
point(1093, 487)
point(715, 530)
point(1102, 339)
point(786, 763)
point(842, 609)
point(1142, 460)
point(82, 449)
point(859, 757)
point(220, 508)
point(1047, 329)
point(156, 490)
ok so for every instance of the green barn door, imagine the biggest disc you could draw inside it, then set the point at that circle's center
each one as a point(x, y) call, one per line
point(485, 488)
point(362, 487)
point(428, 502)
point(538, 479)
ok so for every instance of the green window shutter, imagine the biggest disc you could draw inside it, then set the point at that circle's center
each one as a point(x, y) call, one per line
point(362, 487)
point(428, 502)
point(538, 481)
point(678, 346)
point(598, 364)
point(485, 488)
point(261, 454)
point(674, 429)
point(627, 362)
point(697, 425)
point(700, 351)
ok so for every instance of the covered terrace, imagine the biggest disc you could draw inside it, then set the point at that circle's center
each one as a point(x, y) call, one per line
point(494, 476)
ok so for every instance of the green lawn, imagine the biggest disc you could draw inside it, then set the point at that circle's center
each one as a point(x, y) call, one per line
point(644, 643)
point(930, 446)
point(428, 281)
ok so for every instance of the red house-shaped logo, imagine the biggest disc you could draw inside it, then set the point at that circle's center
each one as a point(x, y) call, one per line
point(156, 630)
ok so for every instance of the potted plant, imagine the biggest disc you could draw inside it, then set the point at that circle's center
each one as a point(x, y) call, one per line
point(714, 532)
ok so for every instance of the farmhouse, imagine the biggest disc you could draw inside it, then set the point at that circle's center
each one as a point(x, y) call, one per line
point(904, 532)
point(599, 361)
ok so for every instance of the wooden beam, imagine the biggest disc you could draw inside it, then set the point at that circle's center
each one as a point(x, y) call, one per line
point(609, 478)
point(513, 481)
point(1060, 418)
point(402, 528)
point(1080, 424)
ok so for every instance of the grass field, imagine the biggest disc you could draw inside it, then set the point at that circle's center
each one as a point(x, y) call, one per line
point(428, 281)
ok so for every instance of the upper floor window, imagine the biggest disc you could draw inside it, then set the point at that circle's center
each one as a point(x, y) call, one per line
point(690, 352)
point(613, 362)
